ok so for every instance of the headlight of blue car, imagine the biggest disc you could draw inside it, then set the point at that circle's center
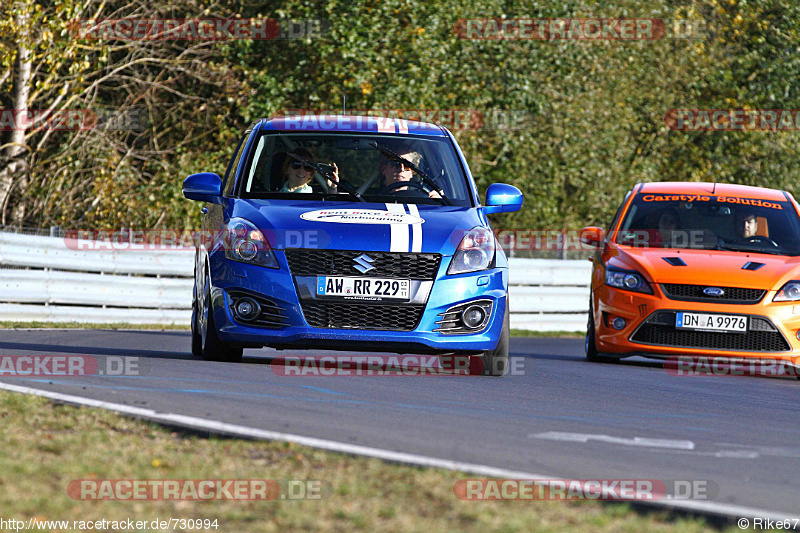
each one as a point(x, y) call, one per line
point(245, 243)
point(475, 252)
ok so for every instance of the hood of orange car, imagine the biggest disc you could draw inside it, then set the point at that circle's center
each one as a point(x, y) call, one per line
point(709, 267)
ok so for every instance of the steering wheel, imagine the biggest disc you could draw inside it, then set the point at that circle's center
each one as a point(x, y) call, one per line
point(758, 239)
point(398, 184)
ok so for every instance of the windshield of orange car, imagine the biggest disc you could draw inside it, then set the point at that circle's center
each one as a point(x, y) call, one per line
point(711, 222)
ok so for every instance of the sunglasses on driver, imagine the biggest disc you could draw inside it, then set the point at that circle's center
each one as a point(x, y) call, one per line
point(297, 164)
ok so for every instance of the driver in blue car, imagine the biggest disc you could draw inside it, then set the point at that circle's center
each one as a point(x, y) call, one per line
point(398, 172)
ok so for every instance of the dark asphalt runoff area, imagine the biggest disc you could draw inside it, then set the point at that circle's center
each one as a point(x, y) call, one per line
point(734, 439)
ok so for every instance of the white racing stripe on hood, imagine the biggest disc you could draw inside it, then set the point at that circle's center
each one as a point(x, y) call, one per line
point(399, 232)
point(416, 229)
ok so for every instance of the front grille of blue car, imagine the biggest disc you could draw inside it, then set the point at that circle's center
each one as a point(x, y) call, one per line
point(349, 314)
point(346, 315)
point(313, 262)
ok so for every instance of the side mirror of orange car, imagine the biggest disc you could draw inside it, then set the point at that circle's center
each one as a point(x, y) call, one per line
point(593, 236)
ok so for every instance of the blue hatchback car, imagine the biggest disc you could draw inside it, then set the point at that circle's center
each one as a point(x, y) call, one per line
point(350, 233)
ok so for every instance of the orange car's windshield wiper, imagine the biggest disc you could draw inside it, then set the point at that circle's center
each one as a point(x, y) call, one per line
point(742, 247)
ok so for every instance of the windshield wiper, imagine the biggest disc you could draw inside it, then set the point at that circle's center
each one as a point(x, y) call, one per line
point(326, 173)
point(399, 159)
point(739, 247)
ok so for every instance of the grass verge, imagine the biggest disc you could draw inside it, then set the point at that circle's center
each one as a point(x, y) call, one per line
point(44, 446)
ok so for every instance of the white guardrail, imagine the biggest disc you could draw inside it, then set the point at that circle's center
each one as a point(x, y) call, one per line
point(48, 279)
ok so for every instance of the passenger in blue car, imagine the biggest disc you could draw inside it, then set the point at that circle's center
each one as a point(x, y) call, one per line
point(297, 174)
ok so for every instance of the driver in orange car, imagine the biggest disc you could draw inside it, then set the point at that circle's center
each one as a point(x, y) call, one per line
point(747, 226)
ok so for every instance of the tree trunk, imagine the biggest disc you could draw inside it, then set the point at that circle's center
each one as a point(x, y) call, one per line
point(16, 149)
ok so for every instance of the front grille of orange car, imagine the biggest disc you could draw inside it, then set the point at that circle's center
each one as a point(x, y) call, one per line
point(362, 316)
point(694, 293)
point(762, 335)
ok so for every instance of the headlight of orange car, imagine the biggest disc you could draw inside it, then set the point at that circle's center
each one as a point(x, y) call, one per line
point(629, 280)
point(789, 292)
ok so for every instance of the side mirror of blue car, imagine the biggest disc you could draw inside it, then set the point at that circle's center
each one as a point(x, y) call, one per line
point(205, 187)
point(502, 198)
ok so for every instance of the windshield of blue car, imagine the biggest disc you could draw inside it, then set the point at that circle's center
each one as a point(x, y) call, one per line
point(711, 223)
point(367, 166)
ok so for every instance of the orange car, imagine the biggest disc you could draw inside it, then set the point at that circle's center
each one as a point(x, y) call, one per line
point(697, 269)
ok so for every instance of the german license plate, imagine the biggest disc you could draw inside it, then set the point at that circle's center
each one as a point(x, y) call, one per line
point(364, 287)
point(710, 322)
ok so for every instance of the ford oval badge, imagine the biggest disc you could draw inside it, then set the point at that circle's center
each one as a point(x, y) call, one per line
point(713, 291)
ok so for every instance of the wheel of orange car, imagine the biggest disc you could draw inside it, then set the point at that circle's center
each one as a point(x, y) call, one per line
point(589, 345)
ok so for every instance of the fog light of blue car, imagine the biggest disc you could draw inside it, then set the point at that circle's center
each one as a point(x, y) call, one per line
point(473, 316)
point(247, 309)
point(618, 323)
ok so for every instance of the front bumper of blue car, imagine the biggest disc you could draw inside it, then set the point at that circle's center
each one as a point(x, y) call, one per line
point(291, 310)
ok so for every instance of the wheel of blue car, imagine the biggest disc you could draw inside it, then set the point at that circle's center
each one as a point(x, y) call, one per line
point(197, 340)
point(214, 349)
point(495, 362)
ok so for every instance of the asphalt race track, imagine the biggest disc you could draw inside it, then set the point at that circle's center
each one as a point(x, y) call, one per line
point(737, 438)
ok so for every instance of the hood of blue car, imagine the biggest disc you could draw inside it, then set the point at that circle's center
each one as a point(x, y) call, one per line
point(361, 226)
